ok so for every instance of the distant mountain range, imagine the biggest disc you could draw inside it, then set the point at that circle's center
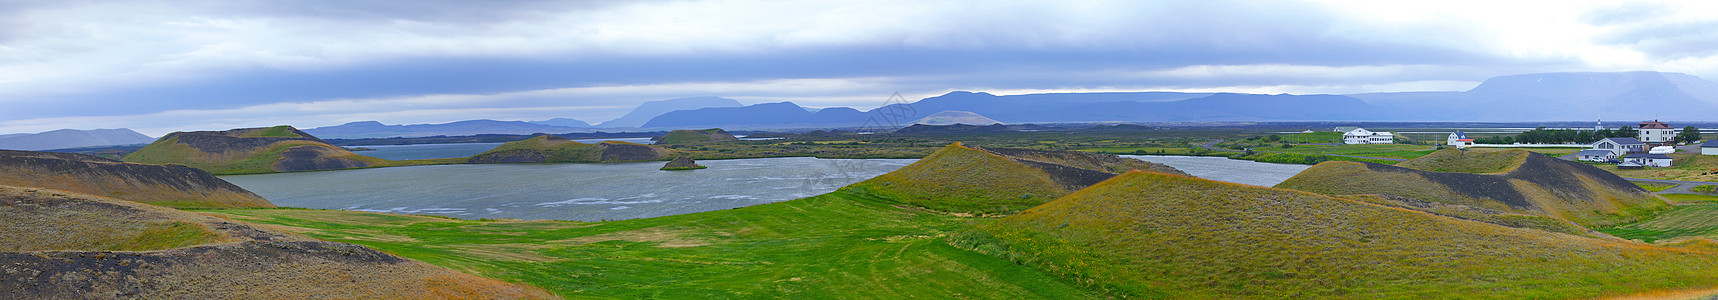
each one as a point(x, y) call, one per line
point(72, 138)
point(652, 109)
point(373, 129)
point(1622, 96)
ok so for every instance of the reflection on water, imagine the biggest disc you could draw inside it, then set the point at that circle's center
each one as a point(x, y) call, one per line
point(1229, 170)
point(587, 192)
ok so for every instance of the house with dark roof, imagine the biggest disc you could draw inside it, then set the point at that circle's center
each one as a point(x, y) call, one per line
point(1648, 159)
point(1655, 133)
point(1595, 155)
point(1709, 148)
point(1620, 147)
point(1459, 140)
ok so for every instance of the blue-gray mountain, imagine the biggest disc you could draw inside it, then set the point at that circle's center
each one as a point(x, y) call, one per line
point(73, 138)
point(373, 129)
point(1529, 97)
point(652, 109)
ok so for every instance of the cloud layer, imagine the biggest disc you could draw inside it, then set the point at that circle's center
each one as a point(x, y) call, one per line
point(160, 66)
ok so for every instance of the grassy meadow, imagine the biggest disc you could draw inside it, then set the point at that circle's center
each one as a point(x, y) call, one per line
point(832, 246)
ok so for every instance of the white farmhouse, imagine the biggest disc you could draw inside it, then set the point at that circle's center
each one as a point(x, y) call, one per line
point(1655, 133)
point(1595, 155)
point(1620, 147)
point(1459, 139)
point(1648, 159)
point(1709, 148)
point(1361, 136)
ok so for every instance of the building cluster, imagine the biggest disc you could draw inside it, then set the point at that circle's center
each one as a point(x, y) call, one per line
point(1656, 139)
point(1361, 136)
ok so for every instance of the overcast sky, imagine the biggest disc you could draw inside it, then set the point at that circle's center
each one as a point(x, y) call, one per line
point(162, 66)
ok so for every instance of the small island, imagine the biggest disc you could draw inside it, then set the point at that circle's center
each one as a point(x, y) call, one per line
point(682, 164)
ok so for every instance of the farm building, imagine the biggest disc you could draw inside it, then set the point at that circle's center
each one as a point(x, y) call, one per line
point(1648, 159)
point(1620, 147)
point(1655, 133)
point(1595, 155)
point(1709, 148)
point(1361, 136)
point(1459, 140)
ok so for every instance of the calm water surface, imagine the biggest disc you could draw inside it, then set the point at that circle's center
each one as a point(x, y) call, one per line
point(591, 192)
point(1229, 170)
point(587, 192)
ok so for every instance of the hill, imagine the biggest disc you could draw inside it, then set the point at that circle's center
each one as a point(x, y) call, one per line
point(165, 185)
point(1517, 182)
point(563, 122)
point(648, 110)
point(554, 149)
point(249, 151)
point(996, 180)
point(683, 136)
point(59, 245)
point(951, 117)
point(373, 129)
point(1152, 235)
point(72, 138)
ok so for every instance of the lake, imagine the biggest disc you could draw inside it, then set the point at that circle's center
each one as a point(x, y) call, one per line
point(585, 192)
point(433, 151)
point(1228, 170)
point(594, 192)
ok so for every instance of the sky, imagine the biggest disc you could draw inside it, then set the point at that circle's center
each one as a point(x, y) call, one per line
point(163, 66)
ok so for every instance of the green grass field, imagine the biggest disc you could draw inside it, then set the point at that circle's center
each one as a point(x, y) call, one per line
point(1699, 220)
point(1654, 187)
point(1383, 150)
point(832, 246)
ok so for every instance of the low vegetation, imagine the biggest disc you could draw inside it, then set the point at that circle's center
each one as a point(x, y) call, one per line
point(251, 151)
point(684, 136)
point(1508, 181)
point(1686, 221)
point(1197, 238)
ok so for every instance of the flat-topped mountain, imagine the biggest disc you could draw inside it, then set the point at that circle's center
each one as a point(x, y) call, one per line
point(554, 149)
point(997, 180)
point(72, 138)
point(58, 245)
point(1467, 182)
point(684, 136)
point(951, 117)
point(250, 150)
point(165, 185)
point(1152, 235)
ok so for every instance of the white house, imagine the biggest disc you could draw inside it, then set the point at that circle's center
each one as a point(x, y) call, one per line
point(1459, 139)
point(1361, 136)
point(1595, 155)
point(1620, 147)
point(1648, 159)
point(1709, 148)
point(1655, 133)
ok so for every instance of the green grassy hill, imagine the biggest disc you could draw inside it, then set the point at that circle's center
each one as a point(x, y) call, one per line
point(250, 151)
point(1520, 184)
point(165, 185)
point(1152, 235)
point(996, 180)
point(684, 136)
point(65, 243)
point(554, 149)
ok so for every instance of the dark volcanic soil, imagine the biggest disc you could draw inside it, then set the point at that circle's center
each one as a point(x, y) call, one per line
point(110, 178)
point(311, 158)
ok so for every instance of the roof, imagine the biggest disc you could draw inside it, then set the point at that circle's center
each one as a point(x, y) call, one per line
point(1709, 144)
point(1654, 124)
point(1593, 152)
point(1346, 128)
point(1464, 140)
point(1648, 155)
point(1624, 141)
point(1459, 134)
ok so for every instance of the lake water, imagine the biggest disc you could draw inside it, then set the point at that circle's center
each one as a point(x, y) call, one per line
point(586, 192)
point(432, 151)
point(1228, 170)
point(592, 192)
